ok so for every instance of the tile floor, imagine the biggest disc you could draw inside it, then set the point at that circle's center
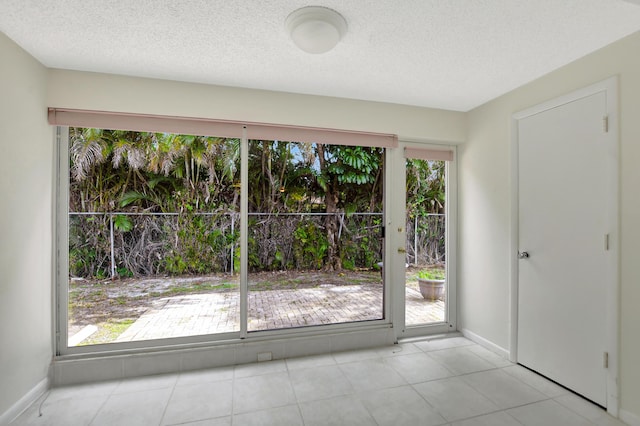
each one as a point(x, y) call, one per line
point(438, 382)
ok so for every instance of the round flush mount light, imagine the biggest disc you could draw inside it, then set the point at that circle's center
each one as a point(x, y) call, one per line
point(316, 29)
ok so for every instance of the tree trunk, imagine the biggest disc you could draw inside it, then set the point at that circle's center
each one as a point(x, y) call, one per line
point(333, 262)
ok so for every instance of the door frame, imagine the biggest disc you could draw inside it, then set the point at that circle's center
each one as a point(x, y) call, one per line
point(396, 240)
point(612, 314)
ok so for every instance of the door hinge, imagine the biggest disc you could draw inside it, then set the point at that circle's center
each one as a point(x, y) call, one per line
point(606, 242)
point(605, 124)
point(605, 360)
point(382, 229)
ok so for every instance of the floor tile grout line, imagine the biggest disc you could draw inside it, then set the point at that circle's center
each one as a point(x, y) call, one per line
point(440, 364)
point(546, 397)
point(553, 399)
point(293, 388)
point(300, 413)
point(430, 404)
point(488, 414)
point(233, 395)
point(103, 404)
point(574, 411)
point(166, 406)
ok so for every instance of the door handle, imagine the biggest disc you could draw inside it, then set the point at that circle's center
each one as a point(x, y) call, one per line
point(523, 255)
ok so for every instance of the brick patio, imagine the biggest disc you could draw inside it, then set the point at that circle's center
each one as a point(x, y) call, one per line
point(211, 313)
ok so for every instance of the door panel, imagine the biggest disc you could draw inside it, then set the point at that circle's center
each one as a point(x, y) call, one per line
point(309, 262)
point(426, 207)
point(562, 285)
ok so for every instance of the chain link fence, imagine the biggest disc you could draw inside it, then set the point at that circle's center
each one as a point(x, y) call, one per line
point(109, 245)
point(426, 240)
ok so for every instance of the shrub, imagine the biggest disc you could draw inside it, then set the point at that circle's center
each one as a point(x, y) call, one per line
point(432, 274)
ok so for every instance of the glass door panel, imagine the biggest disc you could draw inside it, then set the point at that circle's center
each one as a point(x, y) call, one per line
point(426, 282)
point(314, 228)
point(153, 236)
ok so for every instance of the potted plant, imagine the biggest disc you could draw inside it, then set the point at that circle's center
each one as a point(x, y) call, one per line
point(431, 283)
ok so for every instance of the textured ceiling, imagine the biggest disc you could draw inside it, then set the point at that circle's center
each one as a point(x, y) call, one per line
point(451, 54)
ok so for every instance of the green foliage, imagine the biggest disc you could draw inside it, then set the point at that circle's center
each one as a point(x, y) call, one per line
point(348, 264)
point(132, 197)
point(279, 259)
point(200, 246)
point(122, 223)
point(425, 187)
point(80, 260)
point(255, 264)
point(89, 246)
point(124, 272)
point(353, 165)
point(364, 248)
point(191, 175)
point(194, 246)
point(432, 274)
point(309, 246)
point(112, 168)
point(174, 264)
point(236, 258)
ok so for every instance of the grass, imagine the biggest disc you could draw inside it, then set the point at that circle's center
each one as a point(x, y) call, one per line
point(277, 281)
point(364, 280)
point(259, 283)
point(194, 288)
point(108, 331)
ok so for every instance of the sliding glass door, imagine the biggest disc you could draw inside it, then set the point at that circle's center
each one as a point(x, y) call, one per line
point(153, 236)
point(174, 236)
point(314, 234)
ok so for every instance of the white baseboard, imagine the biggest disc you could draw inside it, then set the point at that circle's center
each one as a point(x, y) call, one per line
point(25, 402)
point(629, 418)
point(485, 343)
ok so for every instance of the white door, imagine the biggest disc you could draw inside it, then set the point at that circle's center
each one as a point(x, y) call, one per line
point(564, 176)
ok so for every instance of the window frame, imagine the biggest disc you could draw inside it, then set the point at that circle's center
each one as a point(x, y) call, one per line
point(61, 220)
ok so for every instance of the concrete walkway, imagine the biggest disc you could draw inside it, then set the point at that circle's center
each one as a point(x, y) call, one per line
point(211, 313)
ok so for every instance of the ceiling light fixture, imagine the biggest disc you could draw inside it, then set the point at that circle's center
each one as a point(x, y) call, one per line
point(316, 29)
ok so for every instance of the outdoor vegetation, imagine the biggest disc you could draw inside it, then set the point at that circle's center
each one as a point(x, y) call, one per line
point(145, 206)
point(162, 204)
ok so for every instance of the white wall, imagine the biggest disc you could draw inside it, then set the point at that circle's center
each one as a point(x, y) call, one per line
point(484, 193)
point(104, 92)
point(26, 159)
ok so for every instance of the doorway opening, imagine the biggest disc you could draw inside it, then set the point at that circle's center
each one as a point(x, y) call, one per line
point(428, 293)
point(425, 285)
